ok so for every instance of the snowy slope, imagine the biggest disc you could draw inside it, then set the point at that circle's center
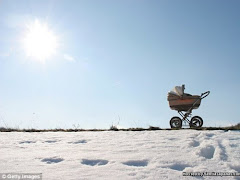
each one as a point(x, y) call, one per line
point(120, 155)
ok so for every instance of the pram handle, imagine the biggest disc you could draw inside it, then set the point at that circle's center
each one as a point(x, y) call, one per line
point(203, 95)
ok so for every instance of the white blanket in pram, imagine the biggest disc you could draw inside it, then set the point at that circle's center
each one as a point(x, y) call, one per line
point(177, 90)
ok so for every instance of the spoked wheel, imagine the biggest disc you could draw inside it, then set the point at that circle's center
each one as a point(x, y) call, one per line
point(196, 122)
point(176, 122)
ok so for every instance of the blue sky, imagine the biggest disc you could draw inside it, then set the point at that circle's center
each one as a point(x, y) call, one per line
point(117, 60)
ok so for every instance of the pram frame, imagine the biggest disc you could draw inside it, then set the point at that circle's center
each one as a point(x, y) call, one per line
point(188, 113)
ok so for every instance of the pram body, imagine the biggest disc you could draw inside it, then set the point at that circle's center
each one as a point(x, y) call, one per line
point(183, 102)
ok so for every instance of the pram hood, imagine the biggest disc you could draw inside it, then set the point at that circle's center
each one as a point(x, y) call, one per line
point(177, 90)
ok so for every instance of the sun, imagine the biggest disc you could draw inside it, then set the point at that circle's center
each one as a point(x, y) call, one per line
point(40, 43)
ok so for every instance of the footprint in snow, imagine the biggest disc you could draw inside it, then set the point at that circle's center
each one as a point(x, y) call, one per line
point(209, 135)
point(235, 138)
point(27, 142)
point(79, 142)
point(52, 160)
point(207, 152)
point(233, 145)
point(178, 166)
point(194, 143)
point(95, 162)
point(50, 141)
point(137, 163)
point(173, 139)
point(222, 153)
point(235, 167)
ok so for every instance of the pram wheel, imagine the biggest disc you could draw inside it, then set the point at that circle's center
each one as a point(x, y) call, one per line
point(176, 122)
point(196, 122)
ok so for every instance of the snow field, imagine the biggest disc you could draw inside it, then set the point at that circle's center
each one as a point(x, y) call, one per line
point(120, 155)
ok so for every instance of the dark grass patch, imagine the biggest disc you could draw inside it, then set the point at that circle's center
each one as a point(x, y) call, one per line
point(151, 128)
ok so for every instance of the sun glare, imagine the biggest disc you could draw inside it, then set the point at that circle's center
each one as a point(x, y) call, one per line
point(40, 43)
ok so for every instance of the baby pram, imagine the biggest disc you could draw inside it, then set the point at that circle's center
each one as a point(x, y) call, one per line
point(184, 103)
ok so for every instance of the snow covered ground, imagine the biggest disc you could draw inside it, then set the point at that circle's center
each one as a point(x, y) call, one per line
point(120, 155)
